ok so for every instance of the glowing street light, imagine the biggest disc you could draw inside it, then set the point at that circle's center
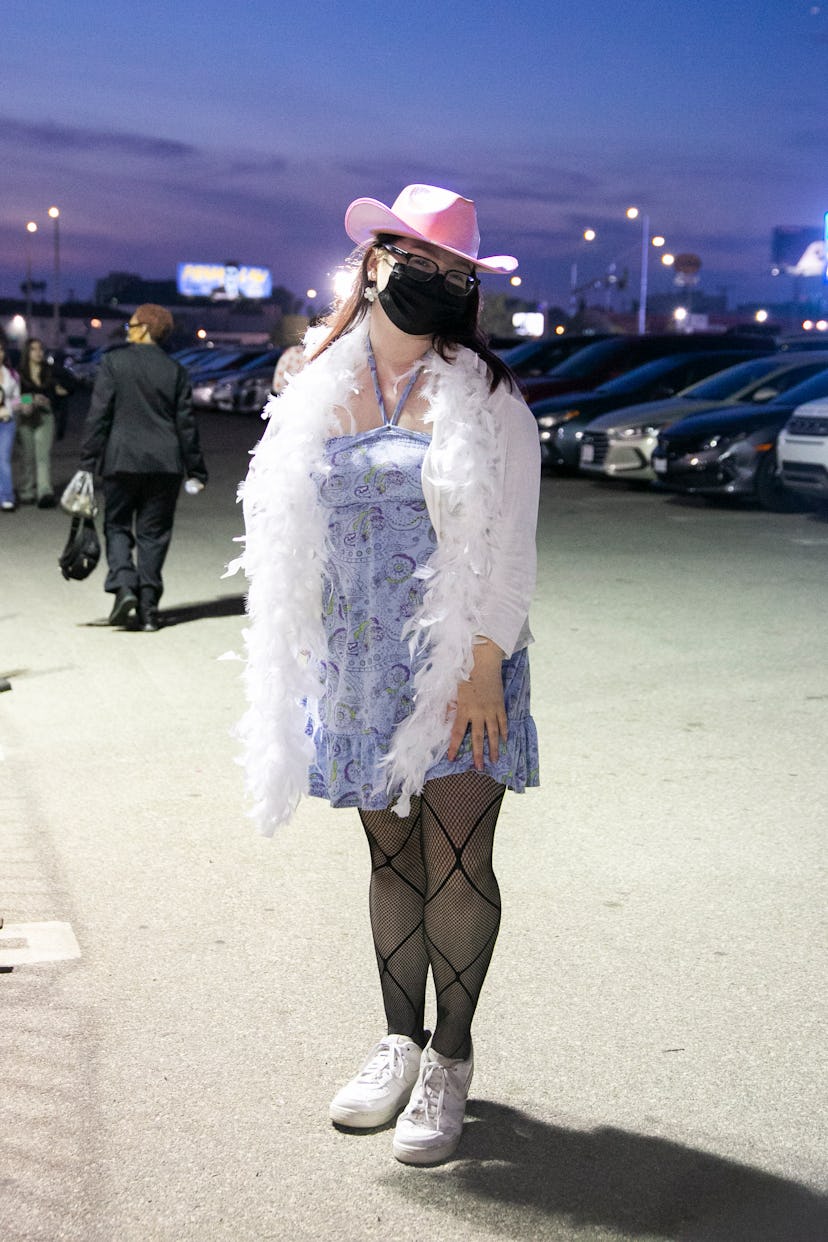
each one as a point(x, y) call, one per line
point(343, 283)
point(515, 281)
point(668, 259)
point(54, 214)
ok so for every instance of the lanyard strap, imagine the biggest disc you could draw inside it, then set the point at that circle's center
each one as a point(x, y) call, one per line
point(392, 421)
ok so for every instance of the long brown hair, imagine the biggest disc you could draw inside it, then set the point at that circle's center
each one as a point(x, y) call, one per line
point(25, 363)
point(353, 307)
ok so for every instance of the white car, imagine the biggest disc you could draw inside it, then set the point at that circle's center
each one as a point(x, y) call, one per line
point(802, 450)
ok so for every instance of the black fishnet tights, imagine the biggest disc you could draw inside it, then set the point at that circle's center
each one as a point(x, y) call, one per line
point(434, 901)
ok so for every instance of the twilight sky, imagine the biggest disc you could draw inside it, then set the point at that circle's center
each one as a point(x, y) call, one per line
point(200, 130)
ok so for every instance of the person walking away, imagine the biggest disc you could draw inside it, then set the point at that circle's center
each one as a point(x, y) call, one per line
point(39, 391)
point(390, 513)
point(141, 436)
point(9, 409)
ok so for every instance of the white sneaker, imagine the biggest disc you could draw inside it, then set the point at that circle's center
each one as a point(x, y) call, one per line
point(381, 1087)
point(431, 1127)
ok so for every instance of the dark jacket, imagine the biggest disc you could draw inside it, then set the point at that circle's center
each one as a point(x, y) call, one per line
point(140, 419)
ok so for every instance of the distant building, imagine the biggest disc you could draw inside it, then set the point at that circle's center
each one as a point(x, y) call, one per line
point(129, 288)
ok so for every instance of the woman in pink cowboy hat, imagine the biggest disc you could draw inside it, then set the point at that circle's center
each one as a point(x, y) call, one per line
point(390, 514)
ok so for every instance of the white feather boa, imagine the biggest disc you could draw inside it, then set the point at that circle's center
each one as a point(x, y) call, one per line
point(283, 560)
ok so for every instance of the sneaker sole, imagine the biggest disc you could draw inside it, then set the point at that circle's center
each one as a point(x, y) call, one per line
point(360, 1120)
point(425, 1155)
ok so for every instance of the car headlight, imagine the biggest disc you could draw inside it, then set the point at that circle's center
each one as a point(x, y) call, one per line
point(550, 421)
point(637, 433)
point(223, 390)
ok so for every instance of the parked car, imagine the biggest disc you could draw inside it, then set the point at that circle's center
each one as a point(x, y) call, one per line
point(802, 451)
point(595, 364)
point(562, 420)
point(86, 368)
point(539, 356)
point(245, 391)
point(205, 380)
point(620, 443)
point(732, 451)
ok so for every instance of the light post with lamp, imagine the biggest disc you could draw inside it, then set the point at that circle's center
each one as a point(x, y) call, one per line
point(588, 235)
point(31, 228)
point(633, 214)
point(54, 214)
point(646, 241)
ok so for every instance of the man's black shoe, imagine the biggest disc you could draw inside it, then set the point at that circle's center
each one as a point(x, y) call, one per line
point(47, 501)
point(148, 620)
point(126, 601)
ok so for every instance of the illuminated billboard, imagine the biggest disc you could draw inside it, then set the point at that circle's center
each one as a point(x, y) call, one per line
point(223, 281)
point(798, 251)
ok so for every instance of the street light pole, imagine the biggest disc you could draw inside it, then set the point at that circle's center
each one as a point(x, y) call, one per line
point(588, 235)
point(645, 265)
point(633, 214)
point(55, 215)
point(31, 227)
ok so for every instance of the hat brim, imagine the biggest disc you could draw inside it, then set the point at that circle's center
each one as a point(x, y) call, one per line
point(367, 216)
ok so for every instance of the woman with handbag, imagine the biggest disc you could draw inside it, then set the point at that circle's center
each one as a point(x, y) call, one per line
point(36, 427)
point(390, 512)
point(9, 409)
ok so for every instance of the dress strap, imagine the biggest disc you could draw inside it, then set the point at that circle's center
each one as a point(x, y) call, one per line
point(392, 421)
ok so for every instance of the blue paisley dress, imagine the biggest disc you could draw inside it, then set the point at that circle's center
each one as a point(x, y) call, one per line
point(378, 534)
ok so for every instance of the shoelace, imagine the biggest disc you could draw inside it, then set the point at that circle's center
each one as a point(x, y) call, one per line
point(428, 1105)
point(387, 1062)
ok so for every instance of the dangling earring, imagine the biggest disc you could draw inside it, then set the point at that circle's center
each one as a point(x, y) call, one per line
point(370, 293)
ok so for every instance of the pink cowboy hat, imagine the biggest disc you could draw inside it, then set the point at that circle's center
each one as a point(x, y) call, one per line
point(429, 214)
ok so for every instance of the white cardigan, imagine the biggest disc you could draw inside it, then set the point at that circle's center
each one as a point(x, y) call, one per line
point(11, 390)
point(480, 479)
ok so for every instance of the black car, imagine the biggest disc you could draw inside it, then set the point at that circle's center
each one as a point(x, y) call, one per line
point(561, 420)
point(538, 356)
point(595, 364)
point(732, 451)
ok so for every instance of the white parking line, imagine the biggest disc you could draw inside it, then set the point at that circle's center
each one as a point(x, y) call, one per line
point(21, 944)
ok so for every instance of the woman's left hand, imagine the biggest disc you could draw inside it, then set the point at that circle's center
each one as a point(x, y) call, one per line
point(479, 705)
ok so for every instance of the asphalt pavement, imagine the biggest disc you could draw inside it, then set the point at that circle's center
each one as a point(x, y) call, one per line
point(180, 998)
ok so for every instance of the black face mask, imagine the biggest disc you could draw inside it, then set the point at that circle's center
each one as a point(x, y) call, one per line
point(422, 309)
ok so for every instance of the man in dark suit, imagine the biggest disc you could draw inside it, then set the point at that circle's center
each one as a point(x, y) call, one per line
point(141, 436)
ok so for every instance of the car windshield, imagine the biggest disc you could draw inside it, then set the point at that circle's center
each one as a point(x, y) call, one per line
point(589, 359)
point(648, 373)
point(809, 390)
point(229, 361)
point(269, 358)
point(731, 381)
point(517, 354)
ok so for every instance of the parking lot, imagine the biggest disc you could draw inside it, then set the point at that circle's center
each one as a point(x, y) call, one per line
point(650, 1043)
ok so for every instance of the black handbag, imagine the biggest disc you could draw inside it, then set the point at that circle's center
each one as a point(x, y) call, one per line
point(82, 551)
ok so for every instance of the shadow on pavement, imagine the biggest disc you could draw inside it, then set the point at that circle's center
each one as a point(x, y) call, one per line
point(222, 606)
point(526, 1173)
